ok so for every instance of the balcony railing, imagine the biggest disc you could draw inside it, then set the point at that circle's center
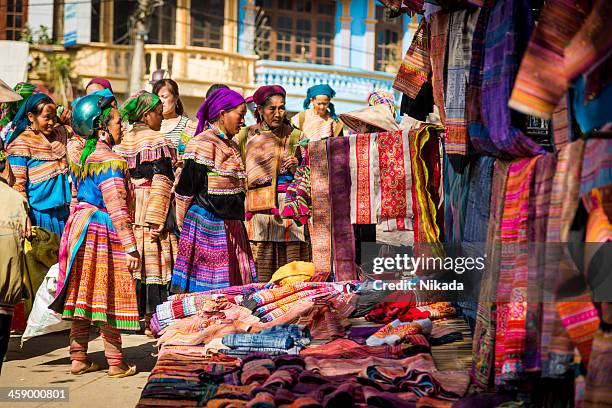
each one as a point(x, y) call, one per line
point(195, 68)
point(351, 85)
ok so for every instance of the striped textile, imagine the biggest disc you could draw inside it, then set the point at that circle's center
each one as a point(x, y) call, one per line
point(179, 131)
point(222, 157)
point(561, 124)
point(581, 322)
point(438, 41)
point(262, 310)
point(151, 206)
point(598, 392)
point(140, 143)
point(541, 81)
point(98, 286)
point(513, 276)
point(320, 233)
point(344, 261)
point(483, 348)
point(596, 165)
point(395, 178)
point(274, 228)
point(501, 61)
point(203, 260)
point(591, 43)
point(425, 162)
point(267, 296)
point(282, 310)
point(269, 256)
point(478, 132)
point(365, 178)
point(479, 200)
point(456, 189)
point(416, 66)
point(461, 31)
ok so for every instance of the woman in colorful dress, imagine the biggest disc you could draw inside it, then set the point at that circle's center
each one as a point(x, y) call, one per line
point(151, 158)
point(213, 250)
point(39, 163)
point(319, 121)
point(271, 153)
point(98, 248)
point(10, 109)
point(177, 126)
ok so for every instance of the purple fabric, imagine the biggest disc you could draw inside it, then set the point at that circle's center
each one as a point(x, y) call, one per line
point(340, 193)
point(361, 333)
point(221, 99)
point(263, 92)
point(101, 81)
point(508, 32)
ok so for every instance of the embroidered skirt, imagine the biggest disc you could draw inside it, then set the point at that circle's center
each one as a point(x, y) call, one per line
point(212, 254)
point(94, 282)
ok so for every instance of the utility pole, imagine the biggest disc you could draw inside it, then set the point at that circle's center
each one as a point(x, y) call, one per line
point(140, 25)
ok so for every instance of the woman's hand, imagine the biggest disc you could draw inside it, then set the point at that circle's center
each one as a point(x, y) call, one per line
point(27, 233)
point(133, 261)
point(290, 163)
point(156, 231)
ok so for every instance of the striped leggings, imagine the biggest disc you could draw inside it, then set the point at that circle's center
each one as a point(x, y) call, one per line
point(79, 337)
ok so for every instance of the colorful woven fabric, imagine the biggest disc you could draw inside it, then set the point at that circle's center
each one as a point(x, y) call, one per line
point(438, 42)
point(98, 285)
point(203, 261)
point(479, 200)
point(416, 66)
point(461, 30)
point(344, 264)
point(381, 97)
point(456, 188)
point(320, 234)
point(591, 43)
point(365, 178)
point(41, 176)
point(145, 144)
point(483, 367)
point(598, 379)
point(541, 80)
point(596, 165)
point(298, 199)
point(424, 155)
point(266, 296)
point(395, 178)
point(222, 158)
point(501, 59)
point(513, 277)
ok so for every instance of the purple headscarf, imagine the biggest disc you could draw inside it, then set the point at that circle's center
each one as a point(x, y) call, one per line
point(264, 92)
point(101, 81)
point(221, 99)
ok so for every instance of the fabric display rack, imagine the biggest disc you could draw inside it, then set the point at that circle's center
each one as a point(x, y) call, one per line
point(520, 161)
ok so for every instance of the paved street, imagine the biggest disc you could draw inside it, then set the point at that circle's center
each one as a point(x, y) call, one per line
point(44, 362)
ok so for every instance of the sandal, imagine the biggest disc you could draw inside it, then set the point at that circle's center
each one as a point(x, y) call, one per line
point(127, 373)
point(89, 369)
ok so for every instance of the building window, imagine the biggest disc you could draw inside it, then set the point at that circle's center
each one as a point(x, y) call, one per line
point(13, 18)
point(389, 32)
point(96, 10)
point(298, 31)
point(207, 18)
point(122, 10)
point(162, 24)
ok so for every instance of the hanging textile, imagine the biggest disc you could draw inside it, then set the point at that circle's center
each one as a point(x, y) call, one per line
point(597, 165)
point(501, 59)
point(320, 233)
point(365, 178)
point(395, 178)
point(461, 31)
point(486, 320)
point(437, 49)
point(541, 80)
point(425, 159)
point(479, 200)
point(456, 188)
point(416, 66)
point(513, 276)
point(344, 266)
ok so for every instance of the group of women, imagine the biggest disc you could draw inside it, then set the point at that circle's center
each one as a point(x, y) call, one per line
point(149, 202)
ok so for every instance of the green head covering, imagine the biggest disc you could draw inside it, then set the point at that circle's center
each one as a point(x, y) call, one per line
point(9, 109)
point(138, 104)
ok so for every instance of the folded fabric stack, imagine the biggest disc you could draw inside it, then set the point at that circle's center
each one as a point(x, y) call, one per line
point(396, 332)
point(324, 320)
point(282, 339)
point(298, 381)
point(293, 272)
point(181, 307)
point(347, 348)
point(439, 310)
